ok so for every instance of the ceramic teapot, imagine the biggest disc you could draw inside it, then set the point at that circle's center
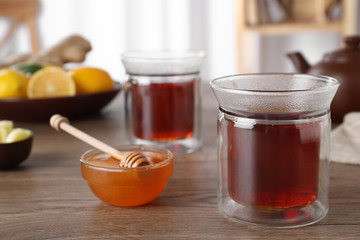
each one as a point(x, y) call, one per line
point(344, 65)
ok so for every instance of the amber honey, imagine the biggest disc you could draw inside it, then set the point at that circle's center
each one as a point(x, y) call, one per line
point(123, 186)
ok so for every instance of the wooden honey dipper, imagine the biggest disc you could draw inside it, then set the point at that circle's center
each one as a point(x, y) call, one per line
point(128, 160)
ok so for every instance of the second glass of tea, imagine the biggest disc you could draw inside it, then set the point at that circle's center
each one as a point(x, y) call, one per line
point(273, 147)
point(162, 99)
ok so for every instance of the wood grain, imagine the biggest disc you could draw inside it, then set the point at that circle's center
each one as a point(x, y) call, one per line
point(46, 198)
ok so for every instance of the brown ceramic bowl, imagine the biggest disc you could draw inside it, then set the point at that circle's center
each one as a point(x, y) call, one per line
point(12, 154)
point(30, 110)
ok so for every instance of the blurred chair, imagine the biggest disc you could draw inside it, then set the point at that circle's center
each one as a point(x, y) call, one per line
point(19, 12)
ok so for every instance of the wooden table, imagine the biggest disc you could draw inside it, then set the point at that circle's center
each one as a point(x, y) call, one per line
point(46, 197)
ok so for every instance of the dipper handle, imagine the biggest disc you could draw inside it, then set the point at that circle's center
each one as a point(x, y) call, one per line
point(130, 159)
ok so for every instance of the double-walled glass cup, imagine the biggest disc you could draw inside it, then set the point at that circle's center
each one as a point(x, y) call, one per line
point(273, 148)
point(162, 98)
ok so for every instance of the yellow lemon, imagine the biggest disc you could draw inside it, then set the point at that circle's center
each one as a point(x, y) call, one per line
point(3, 135)
point(13, 84)
point(6, 125)
point(91, 80)
point(50, 82)
point(18, 134)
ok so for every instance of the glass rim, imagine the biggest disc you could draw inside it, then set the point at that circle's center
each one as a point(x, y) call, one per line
point(332, 83)
point(162, 55)
point(167, 161)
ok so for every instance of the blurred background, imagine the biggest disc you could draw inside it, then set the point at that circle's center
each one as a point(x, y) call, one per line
point(237, 35)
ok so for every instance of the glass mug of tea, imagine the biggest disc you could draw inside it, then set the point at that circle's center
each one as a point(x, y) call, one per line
point(162, 99)
point(273, 147)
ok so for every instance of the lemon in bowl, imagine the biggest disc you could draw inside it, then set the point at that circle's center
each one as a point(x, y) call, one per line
point(13, 84)
point(90, 80)
point(50, 82)
point(15, 144)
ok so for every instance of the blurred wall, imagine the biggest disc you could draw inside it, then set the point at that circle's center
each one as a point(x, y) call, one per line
point(116, 26)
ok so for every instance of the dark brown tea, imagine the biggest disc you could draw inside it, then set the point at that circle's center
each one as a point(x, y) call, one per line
point(273, 166)
point(163, 111)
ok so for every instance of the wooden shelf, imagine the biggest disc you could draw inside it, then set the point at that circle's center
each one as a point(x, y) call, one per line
point(288, 28)
point(346, 25)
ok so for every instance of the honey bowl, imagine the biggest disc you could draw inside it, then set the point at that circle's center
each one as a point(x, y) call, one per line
point(127, 187)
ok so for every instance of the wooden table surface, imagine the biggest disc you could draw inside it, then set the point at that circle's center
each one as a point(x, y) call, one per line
point(46, 197)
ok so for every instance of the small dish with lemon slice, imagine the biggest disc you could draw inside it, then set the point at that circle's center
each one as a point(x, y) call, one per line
point(15, 144)
point(76, 93)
